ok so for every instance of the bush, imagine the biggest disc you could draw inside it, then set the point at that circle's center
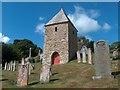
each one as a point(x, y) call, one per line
point(116, 57)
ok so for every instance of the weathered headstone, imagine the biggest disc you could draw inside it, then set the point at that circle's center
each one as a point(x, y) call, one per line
point(78, 56)
point(84, 56)
point(11, 65)
point(30, 53)
point(102, 60)
point(22, 79)
point(45, 73)
point(14, 63)
point(29, 69)
point(1, 66)
point(22, 61)
point(89, 56)
point(39, 53)
point(5, 68)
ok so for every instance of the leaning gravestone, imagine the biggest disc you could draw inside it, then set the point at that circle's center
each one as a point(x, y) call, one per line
point(22, 79)
point(102, 60)
point(45, 73)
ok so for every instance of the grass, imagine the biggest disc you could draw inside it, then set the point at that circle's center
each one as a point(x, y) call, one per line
point(71, 75)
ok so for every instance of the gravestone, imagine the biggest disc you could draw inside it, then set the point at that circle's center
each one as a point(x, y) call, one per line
point(45, 73)
point(89, 56)
point(11, 65)
point(31, 67)
point(5, 68)
point(14, 65)
point(39, 53)
point(22, 61)
point(84, 56)
point(1, 66)
point(102, 60)
point(22, 79)
point(30, 53)
point(78, 56)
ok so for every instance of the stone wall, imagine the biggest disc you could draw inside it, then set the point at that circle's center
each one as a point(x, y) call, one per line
point(72, 41)
point(56, 41)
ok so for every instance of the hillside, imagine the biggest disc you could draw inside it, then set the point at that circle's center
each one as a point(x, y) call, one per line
point(71, 75)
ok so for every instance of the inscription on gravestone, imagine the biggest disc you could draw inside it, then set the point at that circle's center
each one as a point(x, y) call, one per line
point(102, 60)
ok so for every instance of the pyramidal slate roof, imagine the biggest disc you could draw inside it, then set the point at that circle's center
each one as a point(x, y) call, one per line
point(59, 17)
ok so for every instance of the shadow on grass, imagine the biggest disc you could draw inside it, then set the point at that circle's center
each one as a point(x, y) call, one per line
point(33, 83)
point(53, 80)
point(116, 74)
point(54, 74)
point(3, 79)
point(33, 73)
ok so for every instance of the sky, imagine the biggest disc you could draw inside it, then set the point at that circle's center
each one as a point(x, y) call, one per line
point(26, 20)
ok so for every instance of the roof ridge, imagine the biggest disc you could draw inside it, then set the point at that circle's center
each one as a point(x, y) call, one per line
point(60, 17)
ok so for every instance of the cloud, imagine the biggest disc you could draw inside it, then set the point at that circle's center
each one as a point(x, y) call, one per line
point(41, 18)
point(106, 26)
point(40, 28)
point(88, 37)
point(3, 38)
point(94, 13)
point(83, 22)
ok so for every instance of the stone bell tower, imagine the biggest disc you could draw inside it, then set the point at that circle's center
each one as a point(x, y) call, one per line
point(60, 43)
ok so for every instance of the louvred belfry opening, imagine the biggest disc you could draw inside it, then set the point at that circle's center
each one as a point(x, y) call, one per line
point(55, 58)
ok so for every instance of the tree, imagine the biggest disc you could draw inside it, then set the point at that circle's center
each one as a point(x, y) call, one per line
point(83, 39)
point(8, 53)
point(115, 46)
point(22, 48)
point(89, 44)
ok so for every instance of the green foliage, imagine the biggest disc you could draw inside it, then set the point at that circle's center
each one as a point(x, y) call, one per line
point(89, 44)
point(115, 46)
point(84, 39)
point(22, 47)
point(8, 52)
point(19, 49)
point(116, 57)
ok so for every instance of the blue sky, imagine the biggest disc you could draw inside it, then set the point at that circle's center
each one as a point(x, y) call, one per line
point(96, 21)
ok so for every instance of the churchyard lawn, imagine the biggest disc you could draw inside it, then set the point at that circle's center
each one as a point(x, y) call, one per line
point(71, 75)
